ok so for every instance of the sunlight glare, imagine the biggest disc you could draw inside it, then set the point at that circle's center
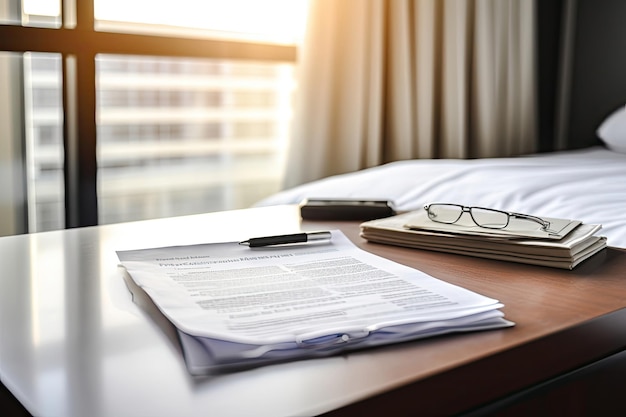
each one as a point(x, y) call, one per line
point(42, 7)
point(283, 18)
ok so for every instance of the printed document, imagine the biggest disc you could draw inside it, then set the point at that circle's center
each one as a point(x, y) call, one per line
point(308, 297)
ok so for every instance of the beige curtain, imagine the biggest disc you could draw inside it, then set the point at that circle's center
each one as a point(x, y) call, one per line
point(385, 80)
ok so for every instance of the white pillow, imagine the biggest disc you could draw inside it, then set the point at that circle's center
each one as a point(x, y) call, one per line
point(612, 131)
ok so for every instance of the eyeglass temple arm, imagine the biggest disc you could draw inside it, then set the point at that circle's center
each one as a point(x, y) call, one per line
point(544, 223)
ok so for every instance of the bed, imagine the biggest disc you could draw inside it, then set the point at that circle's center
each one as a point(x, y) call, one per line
point(585, 184)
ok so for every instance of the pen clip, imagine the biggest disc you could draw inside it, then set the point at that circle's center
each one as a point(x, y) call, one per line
point(321, 341)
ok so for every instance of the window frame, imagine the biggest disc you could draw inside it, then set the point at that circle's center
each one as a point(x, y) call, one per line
point(78, 42)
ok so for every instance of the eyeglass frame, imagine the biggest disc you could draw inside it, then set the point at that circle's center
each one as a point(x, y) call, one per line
point(545, 225)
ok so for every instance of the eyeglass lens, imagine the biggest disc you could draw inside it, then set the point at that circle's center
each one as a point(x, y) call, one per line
point(451, 213)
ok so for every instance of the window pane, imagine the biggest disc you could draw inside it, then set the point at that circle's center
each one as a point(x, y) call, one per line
point(267, 20)
point(184, 136)
point(12, 196)
point(43, 105)
point(40, 13)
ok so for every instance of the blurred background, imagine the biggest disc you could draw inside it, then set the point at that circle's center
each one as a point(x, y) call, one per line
point(175, 135)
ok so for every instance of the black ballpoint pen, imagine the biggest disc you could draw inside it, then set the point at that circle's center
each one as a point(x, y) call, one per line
point(257, 242)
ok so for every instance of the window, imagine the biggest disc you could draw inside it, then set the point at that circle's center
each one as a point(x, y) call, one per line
point(138, 109)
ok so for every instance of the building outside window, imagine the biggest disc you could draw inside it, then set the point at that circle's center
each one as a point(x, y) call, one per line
point(175, 135)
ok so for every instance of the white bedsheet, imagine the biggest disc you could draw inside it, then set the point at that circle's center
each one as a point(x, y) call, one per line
point(587, 185)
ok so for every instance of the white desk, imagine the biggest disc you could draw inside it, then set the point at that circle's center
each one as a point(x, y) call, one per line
point(73, 343)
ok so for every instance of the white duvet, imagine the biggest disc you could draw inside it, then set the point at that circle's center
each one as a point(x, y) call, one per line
point(587, 185)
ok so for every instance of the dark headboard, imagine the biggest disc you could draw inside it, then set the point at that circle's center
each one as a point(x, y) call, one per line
point(598, 83)
point(582, 69)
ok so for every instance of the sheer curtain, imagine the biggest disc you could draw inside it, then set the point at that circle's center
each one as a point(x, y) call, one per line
point(385, 80)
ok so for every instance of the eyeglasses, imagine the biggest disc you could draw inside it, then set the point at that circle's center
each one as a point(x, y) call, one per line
point(483, 217)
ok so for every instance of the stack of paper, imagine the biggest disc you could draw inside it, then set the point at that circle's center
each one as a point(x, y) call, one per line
point(564, 245)
point(235, 306)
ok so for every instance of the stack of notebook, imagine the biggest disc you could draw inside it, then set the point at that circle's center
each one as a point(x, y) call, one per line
point(565, 244)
